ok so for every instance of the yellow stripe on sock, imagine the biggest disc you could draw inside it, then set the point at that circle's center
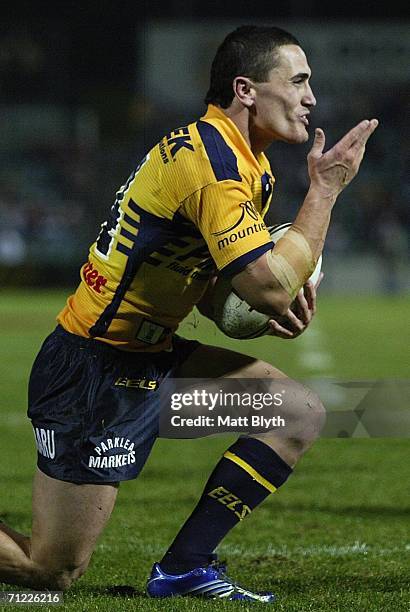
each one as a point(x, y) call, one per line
point(248, 468)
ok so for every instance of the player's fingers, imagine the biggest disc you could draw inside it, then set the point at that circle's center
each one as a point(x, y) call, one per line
point(318, 144)
point(360, 132)
point(354, 134)
point(296, 324)
point(319, 280)
point(310, 296)
point(360, 143)
point(302, 308)
point(310, 291)
point(372, 126)
point(275, 329)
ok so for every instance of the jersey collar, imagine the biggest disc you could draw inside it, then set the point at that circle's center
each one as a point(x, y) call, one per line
point(228, 129)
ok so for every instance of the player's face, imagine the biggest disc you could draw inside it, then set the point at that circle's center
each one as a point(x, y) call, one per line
point(282, 104)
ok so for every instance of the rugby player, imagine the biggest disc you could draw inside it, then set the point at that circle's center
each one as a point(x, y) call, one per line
point(182, 217)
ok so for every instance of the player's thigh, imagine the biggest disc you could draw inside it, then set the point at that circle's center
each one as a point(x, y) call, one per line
point(214, 362)
point(302, 411)
point(67, 520)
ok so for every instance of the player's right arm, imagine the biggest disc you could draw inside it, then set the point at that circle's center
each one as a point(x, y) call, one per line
point(271, 282)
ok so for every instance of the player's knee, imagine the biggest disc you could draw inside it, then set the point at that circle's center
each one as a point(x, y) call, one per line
point(265, 370)
point(62, 578)
point(315, 413)
point(305, 428)
point(304, 416)
point(310, 418)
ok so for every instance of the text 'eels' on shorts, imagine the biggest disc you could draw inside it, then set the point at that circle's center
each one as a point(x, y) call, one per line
point(94, 408)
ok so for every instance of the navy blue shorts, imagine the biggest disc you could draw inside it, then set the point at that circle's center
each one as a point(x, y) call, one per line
point(94, 408)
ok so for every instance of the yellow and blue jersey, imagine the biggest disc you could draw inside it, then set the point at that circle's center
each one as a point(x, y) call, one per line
point(193, 207)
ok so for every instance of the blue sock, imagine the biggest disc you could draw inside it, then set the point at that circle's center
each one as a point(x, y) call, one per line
point(247, 473)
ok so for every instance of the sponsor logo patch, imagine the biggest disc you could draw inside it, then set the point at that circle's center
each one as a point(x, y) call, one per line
point(136, 383)
point(242, 233)
point(45, 442)
point(93, 278)
point(248, 210)
point(150, 332)
point(229, 236)
point(103, 458)
point(177, 140)
point(231, 501)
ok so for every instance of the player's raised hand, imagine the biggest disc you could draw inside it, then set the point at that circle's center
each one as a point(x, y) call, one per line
point(330, 172)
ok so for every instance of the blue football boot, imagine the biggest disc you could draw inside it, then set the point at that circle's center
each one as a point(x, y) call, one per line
point(210, 581)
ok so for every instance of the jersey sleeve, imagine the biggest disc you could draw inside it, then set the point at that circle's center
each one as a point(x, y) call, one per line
point(230, 224)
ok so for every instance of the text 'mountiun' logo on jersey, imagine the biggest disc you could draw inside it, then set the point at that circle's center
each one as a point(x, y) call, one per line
point(229, 235)
point(248, 208)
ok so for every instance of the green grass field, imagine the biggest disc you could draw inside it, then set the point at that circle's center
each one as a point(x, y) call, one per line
point(335, 538)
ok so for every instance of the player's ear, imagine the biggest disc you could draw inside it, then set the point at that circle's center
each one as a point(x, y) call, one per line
point(244, 90)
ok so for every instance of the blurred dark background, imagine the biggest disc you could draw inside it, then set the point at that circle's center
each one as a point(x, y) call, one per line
point(86, 88)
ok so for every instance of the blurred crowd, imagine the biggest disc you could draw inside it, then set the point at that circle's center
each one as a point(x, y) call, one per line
point(44, 196)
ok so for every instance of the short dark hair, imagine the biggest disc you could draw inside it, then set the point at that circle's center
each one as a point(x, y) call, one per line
point(247, 51)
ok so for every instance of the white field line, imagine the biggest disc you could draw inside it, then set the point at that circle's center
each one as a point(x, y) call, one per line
point(14, 419)
point(322, 550)
point(314, 356)
point(313, 353)
point(315, 550)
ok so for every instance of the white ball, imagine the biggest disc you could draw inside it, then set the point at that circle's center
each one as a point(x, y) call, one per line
point(232, 315)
